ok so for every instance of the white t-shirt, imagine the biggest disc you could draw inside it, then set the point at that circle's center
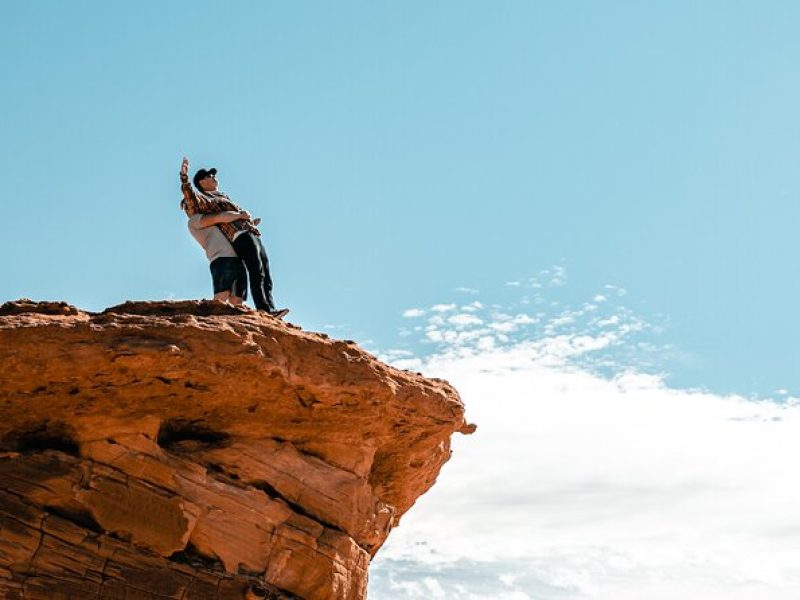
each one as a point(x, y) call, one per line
point(211, 239)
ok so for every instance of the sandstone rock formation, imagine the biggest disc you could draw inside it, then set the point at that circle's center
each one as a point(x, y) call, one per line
point(192, 450)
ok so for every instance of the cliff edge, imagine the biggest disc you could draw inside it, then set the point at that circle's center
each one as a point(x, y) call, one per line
point(193, 450)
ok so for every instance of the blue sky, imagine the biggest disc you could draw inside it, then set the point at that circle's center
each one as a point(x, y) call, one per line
point(397, 151)
point(595, 192)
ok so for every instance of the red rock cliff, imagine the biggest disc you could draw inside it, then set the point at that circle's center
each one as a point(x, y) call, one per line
point(191, 450)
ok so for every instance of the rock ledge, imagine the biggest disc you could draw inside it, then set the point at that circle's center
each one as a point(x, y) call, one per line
point(193, 450)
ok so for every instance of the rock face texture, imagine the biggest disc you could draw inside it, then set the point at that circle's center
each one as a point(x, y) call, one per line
point(192, 450)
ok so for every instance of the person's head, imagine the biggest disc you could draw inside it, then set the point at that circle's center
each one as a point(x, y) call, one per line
point(205, 180)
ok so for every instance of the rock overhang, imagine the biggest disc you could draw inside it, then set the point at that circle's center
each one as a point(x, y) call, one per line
point(209, 404)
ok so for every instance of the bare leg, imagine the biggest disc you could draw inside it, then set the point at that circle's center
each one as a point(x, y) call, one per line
point(222, 296)
point(235, 300)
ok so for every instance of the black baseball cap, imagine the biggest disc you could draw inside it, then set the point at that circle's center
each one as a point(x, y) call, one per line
point(202, 174)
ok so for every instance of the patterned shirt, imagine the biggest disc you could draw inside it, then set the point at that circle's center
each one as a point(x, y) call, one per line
point(210, 203)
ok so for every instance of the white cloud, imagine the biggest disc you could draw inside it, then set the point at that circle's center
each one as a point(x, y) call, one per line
point(508, 579)
point(411, 364)
point(504, 327)
point(619, 291)
point(412, 313)
point(443, 307)
point(464, 319)
point(583, 486)
point(434, 588)
point(434, 335)
point(612, 320)
point(523, 319)
point(485, 343)
point(466, 290)
point(607, 323)
point(617, 488)
point(472, 306)
point(507, 324)
point(558, 276)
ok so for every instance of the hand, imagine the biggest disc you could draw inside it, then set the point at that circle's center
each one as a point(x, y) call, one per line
point(257, 221)
point(185, 167)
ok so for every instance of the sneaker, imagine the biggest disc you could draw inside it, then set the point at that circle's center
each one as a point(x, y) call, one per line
point(279, 313)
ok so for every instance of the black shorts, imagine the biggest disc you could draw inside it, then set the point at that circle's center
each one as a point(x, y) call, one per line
point(229, 275)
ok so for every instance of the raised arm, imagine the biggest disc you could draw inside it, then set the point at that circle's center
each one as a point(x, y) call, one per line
point(191, 202)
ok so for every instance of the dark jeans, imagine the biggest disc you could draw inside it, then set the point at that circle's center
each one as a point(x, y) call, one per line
point(249, 248)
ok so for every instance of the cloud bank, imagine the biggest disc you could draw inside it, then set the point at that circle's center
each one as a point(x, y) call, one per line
point(587, 477)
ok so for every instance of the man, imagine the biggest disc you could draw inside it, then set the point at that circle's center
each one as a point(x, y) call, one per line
point(228, 274)
point(243, 234)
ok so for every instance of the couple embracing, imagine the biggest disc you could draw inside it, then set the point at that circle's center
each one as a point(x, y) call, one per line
point(231, 240)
